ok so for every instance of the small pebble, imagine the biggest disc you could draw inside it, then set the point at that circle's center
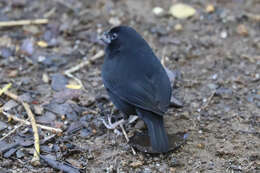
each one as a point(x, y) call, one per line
point(210, 8)
point(28, 46)
point(6, 52)
point(45, 78)
point(19, 154)
point(178, 27)
point(242, 30)
point(182, 11)
point(158, 11)
point(223, 34)
point(215, 76)
point(58, 82)
point(114, 21)
point(41, 58)
point(38, 109)
point(12, 73)
point(201, 146)
point(136, 164)
point(212, 86)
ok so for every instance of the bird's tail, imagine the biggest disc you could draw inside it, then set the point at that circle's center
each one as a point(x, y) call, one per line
point(156, 131)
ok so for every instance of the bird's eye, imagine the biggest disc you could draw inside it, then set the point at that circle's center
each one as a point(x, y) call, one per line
point(114, 36)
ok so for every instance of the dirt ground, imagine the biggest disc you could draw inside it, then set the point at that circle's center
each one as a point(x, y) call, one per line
point(215, 54)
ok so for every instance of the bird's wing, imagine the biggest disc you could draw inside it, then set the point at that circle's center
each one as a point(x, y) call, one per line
point(147, 92)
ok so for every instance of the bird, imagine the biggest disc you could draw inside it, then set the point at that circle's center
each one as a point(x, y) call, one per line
point(136, 81)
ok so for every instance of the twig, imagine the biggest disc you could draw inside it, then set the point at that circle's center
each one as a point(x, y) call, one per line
point(23, 22)
point(36, 158)
point(11, 132)
point(126, 137)
point(82, 64)
point(6, 87)
point(25, 122)
point(208, 101)
point(255, 17)
point(35, 132)
point(251, 58)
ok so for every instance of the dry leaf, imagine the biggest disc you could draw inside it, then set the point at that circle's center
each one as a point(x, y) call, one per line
point(73, 86)
point(42, 44)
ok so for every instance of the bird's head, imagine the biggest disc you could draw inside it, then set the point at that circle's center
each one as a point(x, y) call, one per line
point(122, 36)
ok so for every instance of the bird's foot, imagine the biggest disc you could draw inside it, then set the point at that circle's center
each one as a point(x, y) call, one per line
point(111, 125)
point(132, 119)
point(120, 123)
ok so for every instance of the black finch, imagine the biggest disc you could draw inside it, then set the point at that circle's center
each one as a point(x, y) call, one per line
point(137, 82)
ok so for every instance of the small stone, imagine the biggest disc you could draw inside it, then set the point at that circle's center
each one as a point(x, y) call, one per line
point(45, 78)
point(182, 11)
point(41, 58)
point(9, 105)
point(6, 52)
point(19, 154)
point(223, 34)
point(201, 146)
point(178, 27)
point(114, 21)
point(28, 46)
point(210, 8)
point(242, 30)
point(212, 86)
point(215, 76)
point(172, 170)
point(13, 73)
point(58, 82)
point(158, 11)
point(38, 109)
point(63, 117)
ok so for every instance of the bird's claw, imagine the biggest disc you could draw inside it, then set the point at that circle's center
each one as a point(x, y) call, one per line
point(132, 119)
point(110, 125)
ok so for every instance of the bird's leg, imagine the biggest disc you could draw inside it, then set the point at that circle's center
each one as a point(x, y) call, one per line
point(126, 137)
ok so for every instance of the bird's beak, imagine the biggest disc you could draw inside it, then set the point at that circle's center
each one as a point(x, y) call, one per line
point(105, 38)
